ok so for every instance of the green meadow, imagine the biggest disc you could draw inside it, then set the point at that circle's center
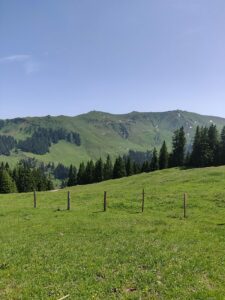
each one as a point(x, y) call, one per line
point(85, 253)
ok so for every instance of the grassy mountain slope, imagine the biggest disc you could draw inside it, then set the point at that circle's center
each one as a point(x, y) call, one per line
point(103, 133)
point(48, 252)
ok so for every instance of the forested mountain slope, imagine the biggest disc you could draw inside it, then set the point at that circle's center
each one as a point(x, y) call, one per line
point(74, 139)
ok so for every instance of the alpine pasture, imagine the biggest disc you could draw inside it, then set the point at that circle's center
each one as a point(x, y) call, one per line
point(49, 252)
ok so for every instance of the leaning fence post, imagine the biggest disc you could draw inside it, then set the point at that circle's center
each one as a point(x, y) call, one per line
point(105, 197)
point(143, 200)
point(68, 200)
point(35, 199)
point(185, 205)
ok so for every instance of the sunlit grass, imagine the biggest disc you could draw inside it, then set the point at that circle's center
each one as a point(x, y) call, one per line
point(49, 252)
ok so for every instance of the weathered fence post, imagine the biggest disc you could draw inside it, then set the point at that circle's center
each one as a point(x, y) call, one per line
point(185, 205)
point(35, 199)
point(143, 200)
point(105, 204)
point(68, 200)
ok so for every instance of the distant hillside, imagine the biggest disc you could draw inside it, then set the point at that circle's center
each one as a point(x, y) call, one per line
point(74, 139)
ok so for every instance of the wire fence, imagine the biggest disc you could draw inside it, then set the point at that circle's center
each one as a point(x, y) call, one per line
point(174, 205)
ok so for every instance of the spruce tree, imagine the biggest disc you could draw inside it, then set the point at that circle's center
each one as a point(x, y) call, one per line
point(154, 165)
point(213, 141)
point(194, 162)
point(129, 166)
point(81, 174)
point(145, 166)
point(178, 151)
point(72, 177)
point(25, 179)
point(90, 172)
point(201, 155)
point(119, 169)
point(98, 173)
point(222, 147)
point(163, 157)
point(7, 184)
point(108, 169)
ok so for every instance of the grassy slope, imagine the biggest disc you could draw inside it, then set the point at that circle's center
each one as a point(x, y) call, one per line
point(120, 254)
point(100, 133)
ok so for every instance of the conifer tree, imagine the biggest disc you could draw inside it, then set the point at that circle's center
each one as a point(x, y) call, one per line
point(108, 169)
point(81, 174)
point(222, 146)
point(195, 149)
point(119, 169)
point(7, 184)
point(98, 174)
point(178, 152)
point(145, 166)
point(213, 141)
point(163, 157)
point(129, 166)
point(154, 165)
point(72, 177)
point(136, 168)
point(90, 172)
point(25, 179)
point(201, 155)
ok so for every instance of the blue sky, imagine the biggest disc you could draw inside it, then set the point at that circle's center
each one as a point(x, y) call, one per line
point(70, 57)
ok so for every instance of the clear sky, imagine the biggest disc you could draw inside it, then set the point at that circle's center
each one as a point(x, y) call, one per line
point(72, 56)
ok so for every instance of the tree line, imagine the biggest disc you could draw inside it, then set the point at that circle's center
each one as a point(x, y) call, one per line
point(208, 149)
point(40, 141)
point(23, 178)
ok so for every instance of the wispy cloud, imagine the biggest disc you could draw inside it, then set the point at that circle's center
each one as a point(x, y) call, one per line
point(29, 64)
point(15, 58)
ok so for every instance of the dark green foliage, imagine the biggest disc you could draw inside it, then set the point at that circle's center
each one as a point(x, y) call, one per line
point(98, 174)
point(136, 168)
point(119, 169)
point(23, 178)
point(140, 157)
point(90, 172)
point(7, 143)
point(129, 166)
point(7, 184)
point(163, 157)
point(213, 140)
point(72, 176)
point(222, 147)
point(108, 169)
point(41, 140)
point(154, 165)
point(61, 172)
point(178, 151)
point(81, 174)
point(202, 153)
point(145, 166)
point(2, 123)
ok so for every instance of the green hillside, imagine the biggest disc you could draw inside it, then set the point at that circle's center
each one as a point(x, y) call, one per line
point(49, 252)
point(103, 133)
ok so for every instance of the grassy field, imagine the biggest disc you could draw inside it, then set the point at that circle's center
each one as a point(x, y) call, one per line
point(49, 252)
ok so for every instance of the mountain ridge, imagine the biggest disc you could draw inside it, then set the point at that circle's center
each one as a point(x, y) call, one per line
point(101, 133)
point(113, 114)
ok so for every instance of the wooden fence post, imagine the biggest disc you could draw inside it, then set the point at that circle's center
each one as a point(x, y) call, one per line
point(105, 204)
point(68, 200)
point(35, 199)
point(143, 200)
point(185, 205)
